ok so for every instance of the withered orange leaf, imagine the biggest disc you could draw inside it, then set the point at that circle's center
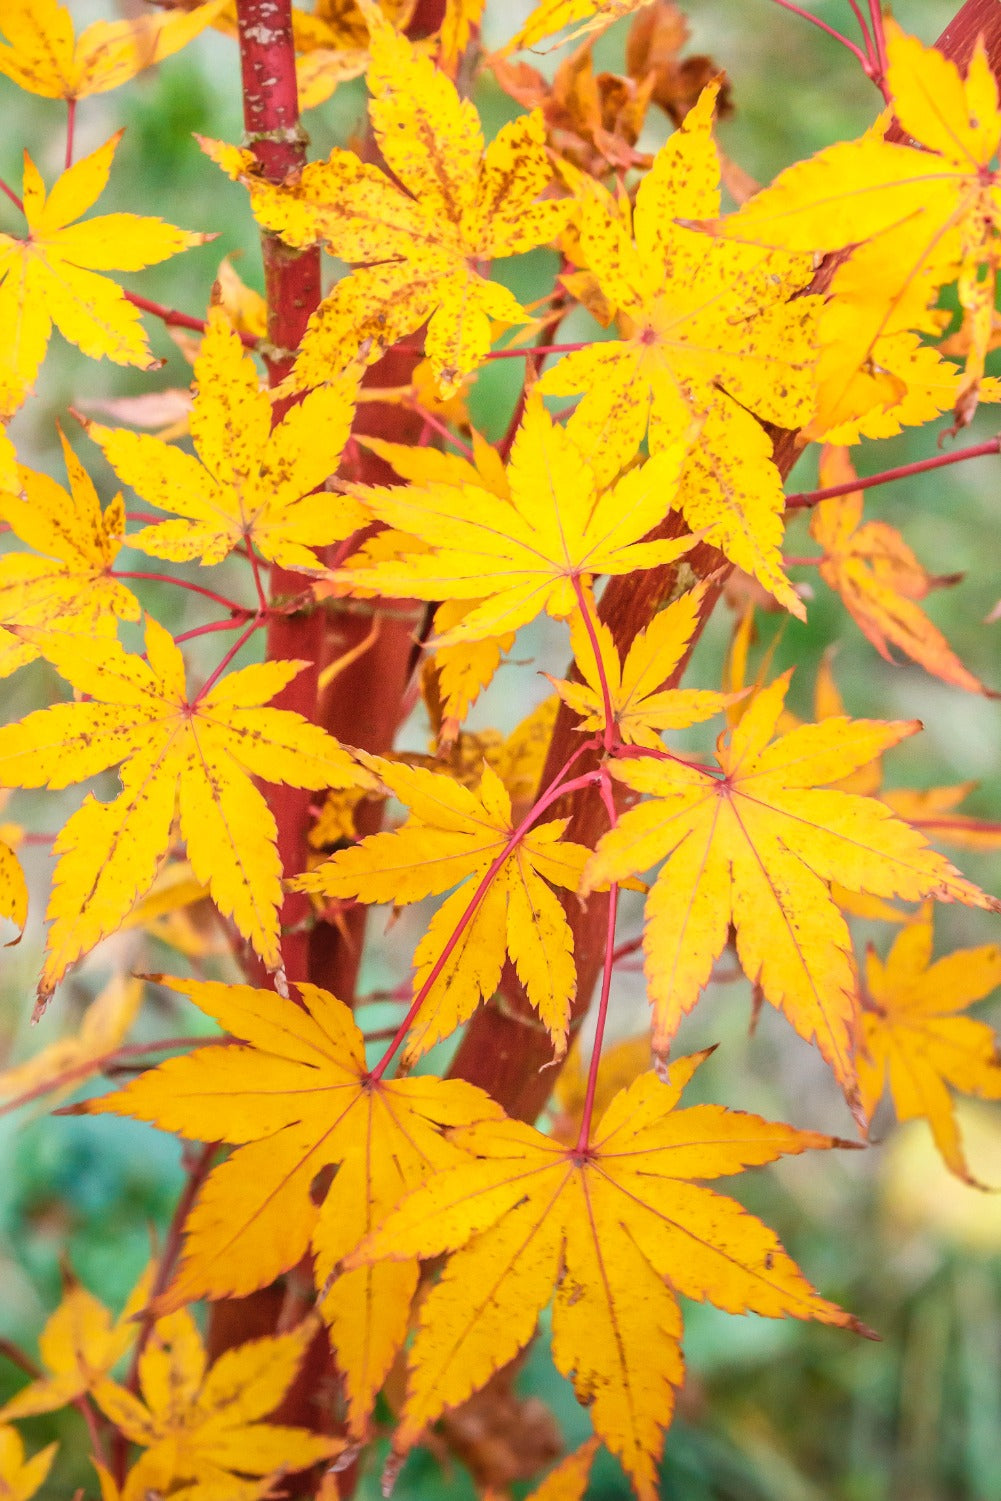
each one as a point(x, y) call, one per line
point(201, 753)
point(880, 580)
point(915, 1040)
point(612, 1234)
point(296, 1097)
point(758, 845)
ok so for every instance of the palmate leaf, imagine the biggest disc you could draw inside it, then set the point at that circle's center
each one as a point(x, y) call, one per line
point(456, 837)
point(68, 584)
point(201, 755)
point(78, 1347)
point(879, 578)
point(612, 1234)
point(21, 1477)
point(550, 16)
point(759, 847)
point(297, 1097)
point(251, 482)
point(929, 209)
point(46, 58)
point(52, 275)
point(530, 553)
point(642, 708)
point(414, 246)
point(203, 1423)
point(714, 335)
point(915, 1041)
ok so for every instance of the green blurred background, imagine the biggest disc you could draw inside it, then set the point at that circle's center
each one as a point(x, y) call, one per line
point(773, 1411)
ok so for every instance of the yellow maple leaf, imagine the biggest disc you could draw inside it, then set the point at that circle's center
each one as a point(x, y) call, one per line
point(933, 811)
point(295, 1097)
point(550, 16)
point(70, 587)
point(463, 671)
point(66, 1063)
point(454, 835)
point(566, 1482)
point(879, 578)
point(933, 204)
point(78, 1346)
point(202, 1422)
point(914, 1041)
point(416, 247)
point(713, 334)
point(528, 554)
point(46, 58)
point(251, 482)
point(202, 753)
point(13, 886)
point(52, 275)
point(758, 847)
point(640, 708)
point(21, 1477)
point(613, 1234)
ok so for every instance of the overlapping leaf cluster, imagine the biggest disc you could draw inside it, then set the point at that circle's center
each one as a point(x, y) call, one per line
point(666, 477)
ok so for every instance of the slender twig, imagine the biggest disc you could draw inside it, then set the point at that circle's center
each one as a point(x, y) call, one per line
point(610, 731)
point(806, 15)
point(583, 1137)
point(255, 568)
point(15, 200)
point(240, 642)
point(174, 319)
point(70, 126)
point(531, 350)
point(805, 498)
point(220, 625)
point(181, 583)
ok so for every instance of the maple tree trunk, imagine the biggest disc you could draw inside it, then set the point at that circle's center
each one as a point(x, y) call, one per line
point(504, 1049)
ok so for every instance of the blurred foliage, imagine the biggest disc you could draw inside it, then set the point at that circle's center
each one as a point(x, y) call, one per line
point(772, 1411)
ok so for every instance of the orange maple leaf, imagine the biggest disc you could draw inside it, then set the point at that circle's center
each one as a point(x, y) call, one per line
point(297, 1096)
point(879, 578)
point(201, 752)
point(914, 1040)
point(613, 1233)
point(759, 847)
point(51, 276)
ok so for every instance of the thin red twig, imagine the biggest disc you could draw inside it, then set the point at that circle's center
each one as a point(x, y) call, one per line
point(174, 319)
point(70, 127)
point(15, 200)
point(166, 578)
point(240, 641)
point(584, 1135)
point(805, 498)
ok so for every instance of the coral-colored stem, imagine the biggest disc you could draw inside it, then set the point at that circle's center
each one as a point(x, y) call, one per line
point(218, 625)
point(166, 578)
point(240, 641)
point(599, 1030)
point(806, 15)
point(610, 730)
point(805, 498)
point(9, 191)
point(531, 350)
point(174, 319)
point(70, 127)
